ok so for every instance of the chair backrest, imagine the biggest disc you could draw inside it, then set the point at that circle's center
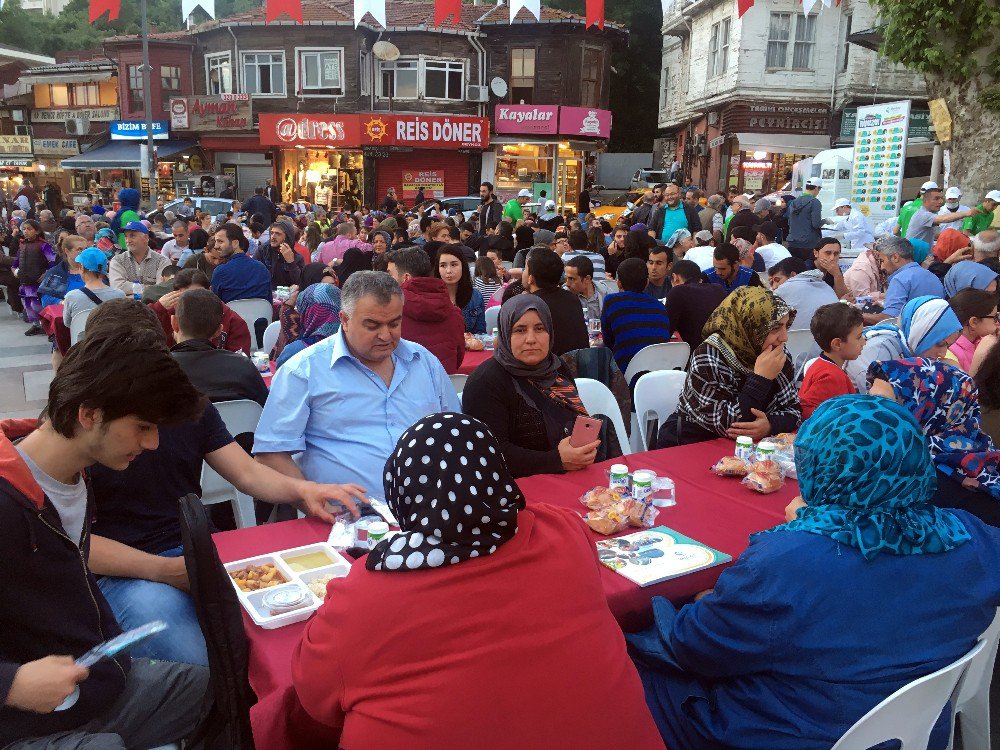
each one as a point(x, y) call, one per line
point(241, 416)
point(492, 317)
point(271, 334)
point(458, 382)
point(599, 401)
point(252, 310)
point(656, 396)
point(977, 678)
point(78, 324)
point(673, 355)
point(800, 343)
point(909, 714)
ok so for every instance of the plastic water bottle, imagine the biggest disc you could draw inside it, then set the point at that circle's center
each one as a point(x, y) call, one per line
point(664, 493)
point(137, 290)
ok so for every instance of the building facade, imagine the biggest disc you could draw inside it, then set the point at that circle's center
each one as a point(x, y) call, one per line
point(744, 99)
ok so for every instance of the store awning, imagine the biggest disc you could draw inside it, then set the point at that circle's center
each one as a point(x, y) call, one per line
point(123, 155)
point(783, 143)
point(83, 77)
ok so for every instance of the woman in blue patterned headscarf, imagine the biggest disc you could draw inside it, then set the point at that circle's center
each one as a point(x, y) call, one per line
point(319, 310)
point(865, 473)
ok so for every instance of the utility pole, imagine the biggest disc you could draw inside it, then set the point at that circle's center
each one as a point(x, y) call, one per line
point(147, 165)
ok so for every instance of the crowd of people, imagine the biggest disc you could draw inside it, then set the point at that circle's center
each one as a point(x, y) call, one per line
point(896, 406)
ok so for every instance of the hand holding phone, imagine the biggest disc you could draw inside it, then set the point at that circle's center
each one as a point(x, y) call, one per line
point(585, 431)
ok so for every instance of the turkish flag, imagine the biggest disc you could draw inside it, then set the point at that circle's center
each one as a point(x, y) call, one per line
point(445, 8)
point(595, 14)
point(99, 7)
point(742, 6)
point(276, 7)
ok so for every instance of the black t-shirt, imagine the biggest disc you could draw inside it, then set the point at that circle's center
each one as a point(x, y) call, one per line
point(138, 506)
point(198, 239)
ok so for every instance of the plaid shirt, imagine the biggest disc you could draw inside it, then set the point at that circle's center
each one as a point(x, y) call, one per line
point(719, 391)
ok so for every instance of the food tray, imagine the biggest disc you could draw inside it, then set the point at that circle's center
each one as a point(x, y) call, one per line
point(252, 600)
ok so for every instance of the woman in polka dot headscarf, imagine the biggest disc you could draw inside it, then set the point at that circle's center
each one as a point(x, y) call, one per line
point(448, 486)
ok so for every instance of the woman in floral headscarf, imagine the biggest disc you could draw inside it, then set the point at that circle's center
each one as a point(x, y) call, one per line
point(740, 379)
point(822, 618)
point(319, 316)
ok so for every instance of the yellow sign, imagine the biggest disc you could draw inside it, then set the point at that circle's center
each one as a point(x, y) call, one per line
point(376, 129)
point(431, 180)
point(941, 119)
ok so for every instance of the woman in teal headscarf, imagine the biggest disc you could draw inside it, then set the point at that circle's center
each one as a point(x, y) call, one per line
point(823, 617)
point(318, 306)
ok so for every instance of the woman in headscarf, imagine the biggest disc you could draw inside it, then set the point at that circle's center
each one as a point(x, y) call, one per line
point(926, 327)
point(945, 403)
point(740, 379)
point(380, 242)
point(288, 316)
point(506, 642)
point(355, 259)
point(822, 618)
point(866, 277)
point(950, 242)
point(968, 274)
point(527, 396)
point(318, 307)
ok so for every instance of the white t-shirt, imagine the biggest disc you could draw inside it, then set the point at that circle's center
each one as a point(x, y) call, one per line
point(772, 253)
point(702, 255)
point(69, 500)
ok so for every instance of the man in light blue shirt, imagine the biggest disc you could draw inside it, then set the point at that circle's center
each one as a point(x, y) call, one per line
point(345, 401)
point(907, 278)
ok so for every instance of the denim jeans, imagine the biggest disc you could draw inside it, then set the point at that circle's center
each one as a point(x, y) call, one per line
point(136, 602)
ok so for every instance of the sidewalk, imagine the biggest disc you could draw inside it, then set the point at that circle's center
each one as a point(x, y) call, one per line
point(25, 368)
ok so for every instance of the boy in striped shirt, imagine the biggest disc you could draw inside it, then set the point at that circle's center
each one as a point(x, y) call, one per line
point(632, 319)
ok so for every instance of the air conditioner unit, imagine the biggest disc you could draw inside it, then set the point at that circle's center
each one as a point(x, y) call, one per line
point(713, 118)
point(77, 125)
point(477, 94)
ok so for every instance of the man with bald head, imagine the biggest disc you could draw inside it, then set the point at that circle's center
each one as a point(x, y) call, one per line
point(673, 214)
point(86, 228)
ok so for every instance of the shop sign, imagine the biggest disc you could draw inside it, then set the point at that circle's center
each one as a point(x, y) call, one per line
point(426, 131)
point(431, 180)
point(879, 155)
point(211, 113)
point(57, 146)
point(765, 165)
point(94, 114)
point(777, 117)
point(309, 130)
point(16, 161)
point(716, 142)
point(135, 130)
point(595, 123)
point(15, 144)
point(920, 124)
point(527, 118)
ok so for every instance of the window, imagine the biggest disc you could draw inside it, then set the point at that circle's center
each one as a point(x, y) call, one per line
point(170, 84)
point(590, 77)
point(59, 95)
point(780, 33)
point(718, 49)
point(135, 88)
point(443, 79)
point(320, 72)
point(847, 44)
point(666, 88)
point(264, 73)
point(522, 74)
point(724, 47)
point(400, 79)
point(365, 66)
point(85, 95)
point(218, 74)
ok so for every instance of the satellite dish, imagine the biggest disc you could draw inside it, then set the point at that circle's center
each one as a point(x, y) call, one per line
point(498, 86)
point(385, 51)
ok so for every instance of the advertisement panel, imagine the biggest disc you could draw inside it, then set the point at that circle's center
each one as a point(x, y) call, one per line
point(431, 180)
point(595, 123)
point(135, 130)
point(15, 144)
point(211, 113)
point(536, 119)
point(879, 153)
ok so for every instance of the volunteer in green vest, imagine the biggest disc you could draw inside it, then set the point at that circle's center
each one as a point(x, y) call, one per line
point(984, 219)
point(514, 208)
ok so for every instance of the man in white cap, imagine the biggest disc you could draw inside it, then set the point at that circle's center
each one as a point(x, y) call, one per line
point(984, 219)
point(805, 220)
point(952, 204)
point(550, 219)
point(911, 207)
point(923, 224)
point(514, 208)
point(851, 223)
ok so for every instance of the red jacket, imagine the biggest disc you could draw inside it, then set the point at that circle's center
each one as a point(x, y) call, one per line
point(823, 381)
point(512, 650)
point(235, 336)
point(432, 320)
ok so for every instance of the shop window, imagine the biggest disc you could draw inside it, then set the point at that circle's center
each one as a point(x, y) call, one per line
point(779, 36)
point(135, 88)
point(219, 74)
point(85, 95)
point(522, 75)
point(590, 77)
point(400, 79)
point(444, 79)
point(264, 73)
point(319, 72)
point(170, 84)
point(718, 49)
point(422, 78)
point(524, 165)
point(59, 95)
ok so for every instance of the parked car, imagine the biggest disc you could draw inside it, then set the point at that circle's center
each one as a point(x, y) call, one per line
point(467, 205)
point(647, 179)
point(623, 205)
point(211, 206)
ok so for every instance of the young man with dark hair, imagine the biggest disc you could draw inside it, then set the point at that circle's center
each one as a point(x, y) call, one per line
point(239, 276)
point(658, 271)
point(541, 277)
point(53, 608)
point(690, 302)
point(804, 290)
point(429, 316)
point(219, 374)
point(632, 319)
point(727, 270)
point(578, 243)
point(491, 210)
point(837, 329)
point(580, 281)
point(765, 246)
point(235, 335)
point(153, 293)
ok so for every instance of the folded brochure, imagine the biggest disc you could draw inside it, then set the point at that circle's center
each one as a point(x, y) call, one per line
point(657, 554)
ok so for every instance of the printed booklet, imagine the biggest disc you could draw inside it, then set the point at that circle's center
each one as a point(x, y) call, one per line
point(657, 554)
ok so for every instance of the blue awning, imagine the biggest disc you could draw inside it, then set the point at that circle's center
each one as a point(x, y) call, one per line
point(123, 154)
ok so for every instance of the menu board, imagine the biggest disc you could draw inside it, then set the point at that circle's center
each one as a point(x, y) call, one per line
point(879, 153)
point(657, 554)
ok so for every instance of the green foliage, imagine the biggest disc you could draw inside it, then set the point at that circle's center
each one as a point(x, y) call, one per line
point(955, 40)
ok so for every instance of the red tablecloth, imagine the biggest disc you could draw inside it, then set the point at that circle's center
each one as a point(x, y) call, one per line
point(269, 375)
point(472, 360)
point(718, 512)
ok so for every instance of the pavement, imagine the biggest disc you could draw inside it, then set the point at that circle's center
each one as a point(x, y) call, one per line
point(25, 368)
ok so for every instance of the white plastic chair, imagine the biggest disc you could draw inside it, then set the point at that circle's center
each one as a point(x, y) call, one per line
point(673, 355)
point(909, 714)
point(252, 310)
point(77, 325)
point(458, 382)
point(972, 700)
point(655, 397)
point(271, 336)
point(800, 343)
point(492, 318)
point(239, 417)
point(598, 400)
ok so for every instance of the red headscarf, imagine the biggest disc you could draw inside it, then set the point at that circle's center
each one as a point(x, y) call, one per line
point(948, 242)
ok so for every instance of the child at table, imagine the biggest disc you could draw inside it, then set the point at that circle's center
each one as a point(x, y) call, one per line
point(837, 328)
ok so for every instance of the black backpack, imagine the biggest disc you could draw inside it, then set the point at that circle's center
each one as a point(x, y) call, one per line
point(225, 720)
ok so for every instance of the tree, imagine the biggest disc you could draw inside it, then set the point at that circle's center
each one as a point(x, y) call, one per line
point(956, 47)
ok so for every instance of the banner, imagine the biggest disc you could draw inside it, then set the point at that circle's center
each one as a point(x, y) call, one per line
point(431, 180)
point(595, 14)
point(291, 8)
point(99, 7)
point(445, 8)
point(879, 155)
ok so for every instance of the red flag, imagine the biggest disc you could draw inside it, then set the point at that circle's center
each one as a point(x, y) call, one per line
point(276, 7)
point(595, 14)
point(742, 6)
point(99, 7)
point(445, 8)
